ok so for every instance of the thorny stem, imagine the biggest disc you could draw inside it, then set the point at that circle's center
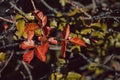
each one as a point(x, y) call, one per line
point(28, 70)
point(49, 7)
point(12, 52)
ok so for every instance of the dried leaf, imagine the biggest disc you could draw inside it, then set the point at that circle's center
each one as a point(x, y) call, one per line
point(78, 41)
point(28, 56)
point(41, 51)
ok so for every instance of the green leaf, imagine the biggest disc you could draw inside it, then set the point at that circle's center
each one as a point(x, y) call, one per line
point(72, 13)
point(73, 35)
point(86, 40)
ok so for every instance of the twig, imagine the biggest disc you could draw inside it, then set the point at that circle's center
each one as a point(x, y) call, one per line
point(49, 7)
point(94, 5)
point(81, 9)
point(20, 11)
point(28, 70)
point(12, 52)
point(7, 20)
point(33, 4)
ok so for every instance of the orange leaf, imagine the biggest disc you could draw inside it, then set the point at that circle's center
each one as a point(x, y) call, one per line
point(66, 32)
point(28, 56)
point(78, 41)
point(27, 44)
point(41, 51)
point(31, 27)
point(63, 48)
point(30, 35)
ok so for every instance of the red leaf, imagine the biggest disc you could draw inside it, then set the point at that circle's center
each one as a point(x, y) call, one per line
point(66, 32)
point(27, 44)
point(42, 38)
point(5, 26)
point(30, 35)
point(78, 41)
point(46, 30)
point(51, 40)
point(63, 48)
point(28, 56)
point(40, 17)
point(44, 21)
point(41, 51)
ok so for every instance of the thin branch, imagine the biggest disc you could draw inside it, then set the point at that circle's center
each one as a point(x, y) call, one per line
point(28, 70)
point(94, 5)
point(81, 9)
point(7, 20)
point(33, 4)
point(49, 7)
point(20, 11)
point(12, 52)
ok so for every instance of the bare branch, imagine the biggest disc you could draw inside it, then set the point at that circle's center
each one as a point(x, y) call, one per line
point(28, 70)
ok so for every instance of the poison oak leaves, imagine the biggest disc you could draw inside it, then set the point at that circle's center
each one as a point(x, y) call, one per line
point(74, 40)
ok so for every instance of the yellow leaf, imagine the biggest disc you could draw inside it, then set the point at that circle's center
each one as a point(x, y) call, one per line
point(86, 31)
point(29, 16)
point(72, 13)
point(62, 2)
point(20, 25)
point(73, 76)
point(38, 32)
point(2, 56)
point(75, 47)
point(53, 23)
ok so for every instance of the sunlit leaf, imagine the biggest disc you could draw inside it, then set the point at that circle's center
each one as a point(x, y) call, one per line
point(53, 23)
point(72, 13)
point(86, 40)
point(41, 51)
point(29, 16)
point(27, 44)
point(86, 31)
point(2, 56)
point(52, 40)
point(97, 34)
point(28, 56)
point(62, 2)
point(93, 66)
point(73, 76)
point(78, 41)
point(31, 27)
point(38, 32)
point(56, 76)
point(75, 47)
